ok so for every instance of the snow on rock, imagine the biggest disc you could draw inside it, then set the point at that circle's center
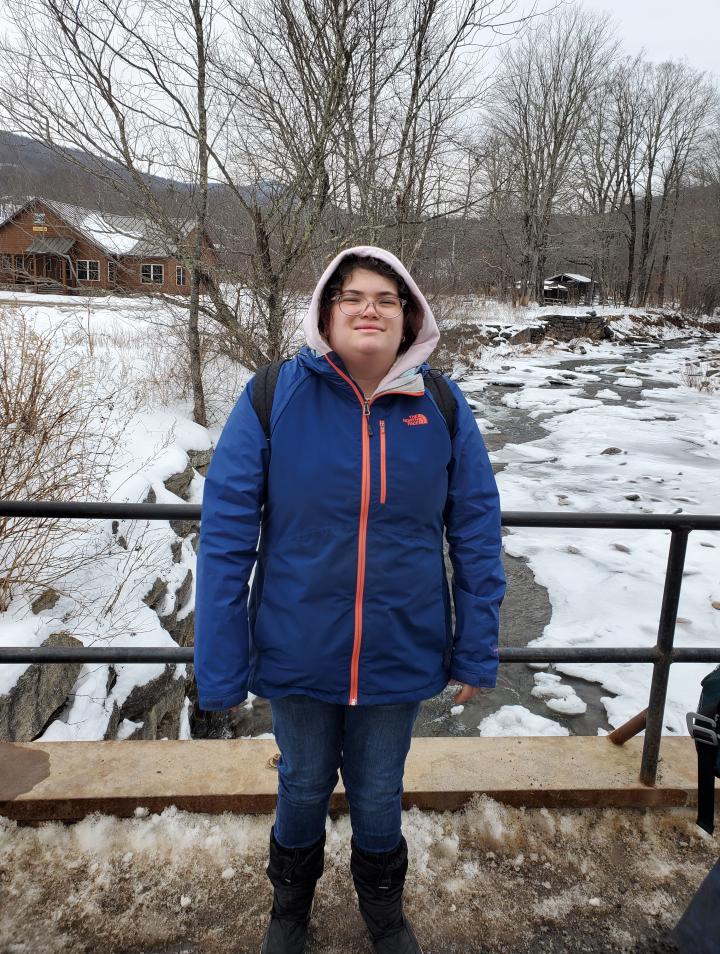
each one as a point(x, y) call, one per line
point(517, 720)
point(541, 401)
point(559, 698)
point(568, 705)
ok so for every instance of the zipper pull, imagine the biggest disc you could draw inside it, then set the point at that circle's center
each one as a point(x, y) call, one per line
point(366, 412)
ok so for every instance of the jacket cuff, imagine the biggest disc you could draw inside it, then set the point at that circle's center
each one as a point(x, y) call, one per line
point(486, 681)
point(225, 702)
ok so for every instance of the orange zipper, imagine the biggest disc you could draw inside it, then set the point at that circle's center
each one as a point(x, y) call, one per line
point(383, 481)
point(362, 530)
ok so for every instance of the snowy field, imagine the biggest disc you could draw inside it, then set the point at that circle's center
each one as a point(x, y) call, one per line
point(487, 880)
point(629, 434)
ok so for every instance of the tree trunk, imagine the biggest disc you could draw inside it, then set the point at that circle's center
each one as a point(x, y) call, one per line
point(667, 241)
point(199, 409)
point(632, 241)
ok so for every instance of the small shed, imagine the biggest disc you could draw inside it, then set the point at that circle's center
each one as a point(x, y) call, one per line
point(569, 288)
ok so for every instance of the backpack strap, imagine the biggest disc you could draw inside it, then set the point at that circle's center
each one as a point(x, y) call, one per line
point(264, 391)
point(437, 385)
point(707, 758)
point(704, 726)
point(266, 380)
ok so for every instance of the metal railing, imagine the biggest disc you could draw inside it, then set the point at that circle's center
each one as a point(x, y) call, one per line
point(661, 656)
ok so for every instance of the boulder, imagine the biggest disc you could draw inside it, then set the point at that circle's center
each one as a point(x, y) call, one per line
point(182, 630)
point(156, 594)
point(200, 460)
point(157, 704)
point(46, 600)
point(178, 484)
point(38, 695)
point(533, 334)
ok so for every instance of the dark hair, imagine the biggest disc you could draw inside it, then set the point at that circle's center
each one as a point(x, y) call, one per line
point(412, 317)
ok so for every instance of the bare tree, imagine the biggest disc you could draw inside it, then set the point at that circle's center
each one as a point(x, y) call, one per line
point(677, 100)
point(418, 74)
point(543, 90)
point(279, 86)
point(686, 136)
point(605, 170)
point(112, 81)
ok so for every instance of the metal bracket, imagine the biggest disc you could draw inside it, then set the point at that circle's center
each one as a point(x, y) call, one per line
point(703, 728)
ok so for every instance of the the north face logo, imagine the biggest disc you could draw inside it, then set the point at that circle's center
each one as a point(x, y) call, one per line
point(415, 419)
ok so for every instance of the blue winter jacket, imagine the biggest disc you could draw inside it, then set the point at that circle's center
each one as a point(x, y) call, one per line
point(350, 600)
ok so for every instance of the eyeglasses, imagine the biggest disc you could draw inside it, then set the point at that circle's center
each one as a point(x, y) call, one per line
point(386, 306)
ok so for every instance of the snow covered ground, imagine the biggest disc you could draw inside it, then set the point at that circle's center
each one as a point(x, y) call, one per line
point(489, 879)
point(662, 454)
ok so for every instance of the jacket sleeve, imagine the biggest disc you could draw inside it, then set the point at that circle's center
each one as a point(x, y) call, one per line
point(472, 521)
point(229, 531)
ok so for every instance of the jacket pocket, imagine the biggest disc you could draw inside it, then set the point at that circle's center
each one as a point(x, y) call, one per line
point(383, 472)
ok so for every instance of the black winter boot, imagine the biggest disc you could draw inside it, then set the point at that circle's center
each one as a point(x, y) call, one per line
point(293, 873)
point(379, 881)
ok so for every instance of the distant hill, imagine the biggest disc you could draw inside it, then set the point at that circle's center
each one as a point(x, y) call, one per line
point(28, 167)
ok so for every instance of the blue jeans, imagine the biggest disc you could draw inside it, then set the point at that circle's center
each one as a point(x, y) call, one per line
point(368, 744)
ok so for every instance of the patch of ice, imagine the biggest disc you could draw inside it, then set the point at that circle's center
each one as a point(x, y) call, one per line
point(517, 720)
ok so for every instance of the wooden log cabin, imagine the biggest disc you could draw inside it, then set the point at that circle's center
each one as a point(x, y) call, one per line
point(48, 246)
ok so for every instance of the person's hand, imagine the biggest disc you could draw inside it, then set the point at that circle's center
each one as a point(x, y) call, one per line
point(465, 693)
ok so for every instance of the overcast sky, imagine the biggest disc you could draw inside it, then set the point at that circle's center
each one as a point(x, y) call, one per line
point(668, 29)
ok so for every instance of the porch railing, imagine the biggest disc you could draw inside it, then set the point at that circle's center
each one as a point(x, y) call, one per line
point(661, 656)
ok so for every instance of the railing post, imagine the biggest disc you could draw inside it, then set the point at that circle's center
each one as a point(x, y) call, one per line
point(664, 648)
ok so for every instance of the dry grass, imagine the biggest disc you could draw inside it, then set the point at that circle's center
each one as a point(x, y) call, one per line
point(55, 444)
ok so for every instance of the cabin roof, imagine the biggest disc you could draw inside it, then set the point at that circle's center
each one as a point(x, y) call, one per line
point(113, 233)
point(569, 277)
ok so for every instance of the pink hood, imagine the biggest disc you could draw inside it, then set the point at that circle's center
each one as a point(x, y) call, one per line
point(406, 366)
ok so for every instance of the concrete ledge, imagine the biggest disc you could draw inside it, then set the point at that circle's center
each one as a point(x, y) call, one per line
point(66, 781)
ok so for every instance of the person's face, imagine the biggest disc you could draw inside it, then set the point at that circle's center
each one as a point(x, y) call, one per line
point(368, 335)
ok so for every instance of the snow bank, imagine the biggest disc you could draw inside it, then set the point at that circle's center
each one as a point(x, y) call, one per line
point(132, 348)
point(490, 875)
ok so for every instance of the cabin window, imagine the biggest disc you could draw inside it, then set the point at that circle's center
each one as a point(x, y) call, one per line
point(180, 275)
point(112, 272)
point(19, 263)
point(152, 274)
point(87, 270)
point(5, 262)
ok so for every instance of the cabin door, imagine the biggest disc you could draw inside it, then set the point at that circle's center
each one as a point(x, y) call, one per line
point(52, 268)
